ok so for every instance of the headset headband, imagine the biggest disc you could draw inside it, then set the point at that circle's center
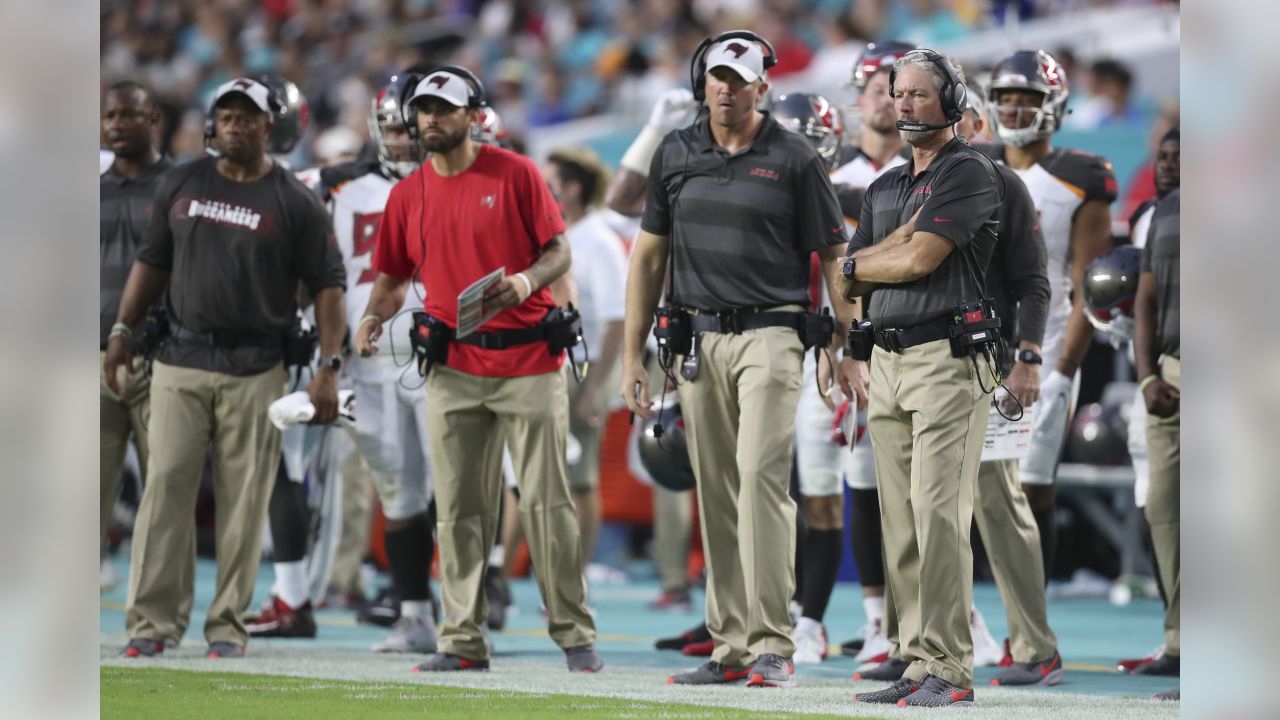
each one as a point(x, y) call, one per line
point(698, 67)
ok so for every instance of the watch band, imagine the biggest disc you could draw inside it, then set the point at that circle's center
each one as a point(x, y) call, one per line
point(331, 361)
point(1031, 357)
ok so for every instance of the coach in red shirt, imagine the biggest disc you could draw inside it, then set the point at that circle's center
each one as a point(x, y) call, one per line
point(468, 211)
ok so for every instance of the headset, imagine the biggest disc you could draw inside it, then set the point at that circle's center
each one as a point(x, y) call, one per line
point(274, 102)
point(477, 100)
point(698, 67)
point(952, 94)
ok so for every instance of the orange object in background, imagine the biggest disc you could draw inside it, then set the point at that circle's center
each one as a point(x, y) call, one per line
point(623, 498)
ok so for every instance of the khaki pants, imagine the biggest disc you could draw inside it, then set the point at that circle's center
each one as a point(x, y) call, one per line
point(672, 531)
point(468, 419)
point(740, 417)
point(1012, 539)
point(1163, 505)
point(190, 411)
point(927, 419)
point(357, 513)
point(122, 418)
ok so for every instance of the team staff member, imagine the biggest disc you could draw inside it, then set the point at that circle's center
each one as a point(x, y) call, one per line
point(1157, 351)
point(927, 230)
point(470, 210)
point(737, 204)
point(129, 122)
point(231, 237)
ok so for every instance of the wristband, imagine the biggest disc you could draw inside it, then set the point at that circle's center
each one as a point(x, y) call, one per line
point(1142, 386)
point(528, 283)
point(120, 329)
point(640, 154)
point(366, 319)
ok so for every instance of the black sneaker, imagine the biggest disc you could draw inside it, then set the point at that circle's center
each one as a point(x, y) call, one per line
point(699, 634)
point(277, 619)
point(1164, 666)
point(1174, 695)
point(890, 670)
point(936, 692)
point(1045, 672)
point(383, 610)
point(890, 695)
point(711, 673)
point(852, 647)
point(771, 670)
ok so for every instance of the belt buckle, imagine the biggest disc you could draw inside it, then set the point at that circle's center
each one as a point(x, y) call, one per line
point(729, 322)
point(891, 341)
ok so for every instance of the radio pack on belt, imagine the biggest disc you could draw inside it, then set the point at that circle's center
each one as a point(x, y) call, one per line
point(561, 329)
point(817, 329)
point(299, 345)
point(152, 332)
point(674, 333)
point(861, 340)
point(974, 328)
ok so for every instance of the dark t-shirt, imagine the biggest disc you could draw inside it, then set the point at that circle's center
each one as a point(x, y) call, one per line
point(1017, 274)
point(123, 215)
point(236, 252)
point(742, 226)
point(1162, 256)
point(960, 192)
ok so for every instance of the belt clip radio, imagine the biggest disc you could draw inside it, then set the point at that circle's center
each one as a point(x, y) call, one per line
point(973, 329)
point(673, 330)
point(861, 340)
point(564, 332)
point(817, 329)
point(429, 337)
point(300, 344)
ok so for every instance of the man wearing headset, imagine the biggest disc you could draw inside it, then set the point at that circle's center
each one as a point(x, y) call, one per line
point(489, 210)
point(230, 238)
point(737, 204)
point(923, 244)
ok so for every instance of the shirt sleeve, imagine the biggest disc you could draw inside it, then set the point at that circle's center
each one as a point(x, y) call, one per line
point(1100, 181)
point(866, 224)
point(963, 199)
point(1024, 260)
point(657, 204)
point(541, 215)
point(819, 222)
point(390, 249)
point(156, 248)
point(317, 260)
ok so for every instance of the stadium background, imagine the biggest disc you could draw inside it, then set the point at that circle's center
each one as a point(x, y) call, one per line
point(587, 72)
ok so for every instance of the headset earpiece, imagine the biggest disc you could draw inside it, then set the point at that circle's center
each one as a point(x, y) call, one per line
point(953, 93)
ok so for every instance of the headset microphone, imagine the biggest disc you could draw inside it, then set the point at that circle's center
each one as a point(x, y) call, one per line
point(922, 127)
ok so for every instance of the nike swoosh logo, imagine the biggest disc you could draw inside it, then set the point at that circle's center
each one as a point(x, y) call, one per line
point(958, 695)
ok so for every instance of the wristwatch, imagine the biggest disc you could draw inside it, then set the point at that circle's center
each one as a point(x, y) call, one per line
point(1030, 357)
point(333, 362)
point(849, 267)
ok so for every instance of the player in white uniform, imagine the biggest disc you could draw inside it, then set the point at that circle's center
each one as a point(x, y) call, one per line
point(821, 461)
point(1073, 191)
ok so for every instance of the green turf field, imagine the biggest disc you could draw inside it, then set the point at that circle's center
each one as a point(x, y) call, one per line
point(143, 694)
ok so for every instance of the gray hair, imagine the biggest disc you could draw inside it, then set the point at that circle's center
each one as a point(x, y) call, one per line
point(919, 59)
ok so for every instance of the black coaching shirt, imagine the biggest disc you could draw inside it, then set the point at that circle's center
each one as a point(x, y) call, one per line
point(123, 215)
point(742, 225)
point(960, 192)
point(236, 252)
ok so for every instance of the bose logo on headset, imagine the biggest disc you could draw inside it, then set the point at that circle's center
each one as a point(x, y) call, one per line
point(440, 83)
point(953, 94)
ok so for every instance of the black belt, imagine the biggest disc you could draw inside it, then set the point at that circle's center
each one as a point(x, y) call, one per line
point(899, 339)
point(737, 321)
point(226, 338)
point(503, 339)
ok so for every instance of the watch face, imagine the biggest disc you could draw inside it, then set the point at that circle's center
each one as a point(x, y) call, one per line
point(847, 268)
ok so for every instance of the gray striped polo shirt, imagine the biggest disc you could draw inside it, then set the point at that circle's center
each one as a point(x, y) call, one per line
point(742, 225)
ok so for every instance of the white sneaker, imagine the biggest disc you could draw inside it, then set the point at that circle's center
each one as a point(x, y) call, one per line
point(796, 611)
point(108, 576)
point(410, 635)
point(986, 651)
point(875, 646)
point(811, 641)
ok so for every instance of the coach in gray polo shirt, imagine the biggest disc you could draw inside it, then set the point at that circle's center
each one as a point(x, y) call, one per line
point(738, 205)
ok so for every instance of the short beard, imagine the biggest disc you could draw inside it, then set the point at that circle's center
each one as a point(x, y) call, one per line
point(445, 142)
point(918, 137)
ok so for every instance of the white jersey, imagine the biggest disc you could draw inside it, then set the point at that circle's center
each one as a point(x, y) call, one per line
point(861, 171)
point(1059, 184)
point(600, 270)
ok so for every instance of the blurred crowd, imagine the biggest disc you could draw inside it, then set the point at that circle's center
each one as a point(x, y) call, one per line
point(544, 62)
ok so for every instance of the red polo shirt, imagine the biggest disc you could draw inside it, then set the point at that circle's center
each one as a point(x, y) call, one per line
point(454, 230)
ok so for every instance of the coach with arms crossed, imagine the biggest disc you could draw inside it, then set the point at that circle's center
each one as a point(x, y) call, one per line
point(924, 241)
point(737, 204)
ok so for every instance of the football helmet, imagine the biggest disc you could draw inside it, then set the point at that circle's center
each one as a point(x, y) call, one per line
point(814, 117)
point(294, 117)
point(1035, 71)
point(666, 457)
point(400, 159)
point(1110, 286)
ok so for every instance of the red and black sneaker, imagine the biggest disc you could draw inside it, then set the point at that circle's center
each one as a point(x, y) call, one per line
point(901, 688)
point(936, 692)
point(696, 635)
point(1131, 664)
point(1007, 660)
point(444, 662)
point(770, 670)
point(142, 647)
point(1044, 672)
point(277, 619)
point(699, 649)
point(711, 673)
